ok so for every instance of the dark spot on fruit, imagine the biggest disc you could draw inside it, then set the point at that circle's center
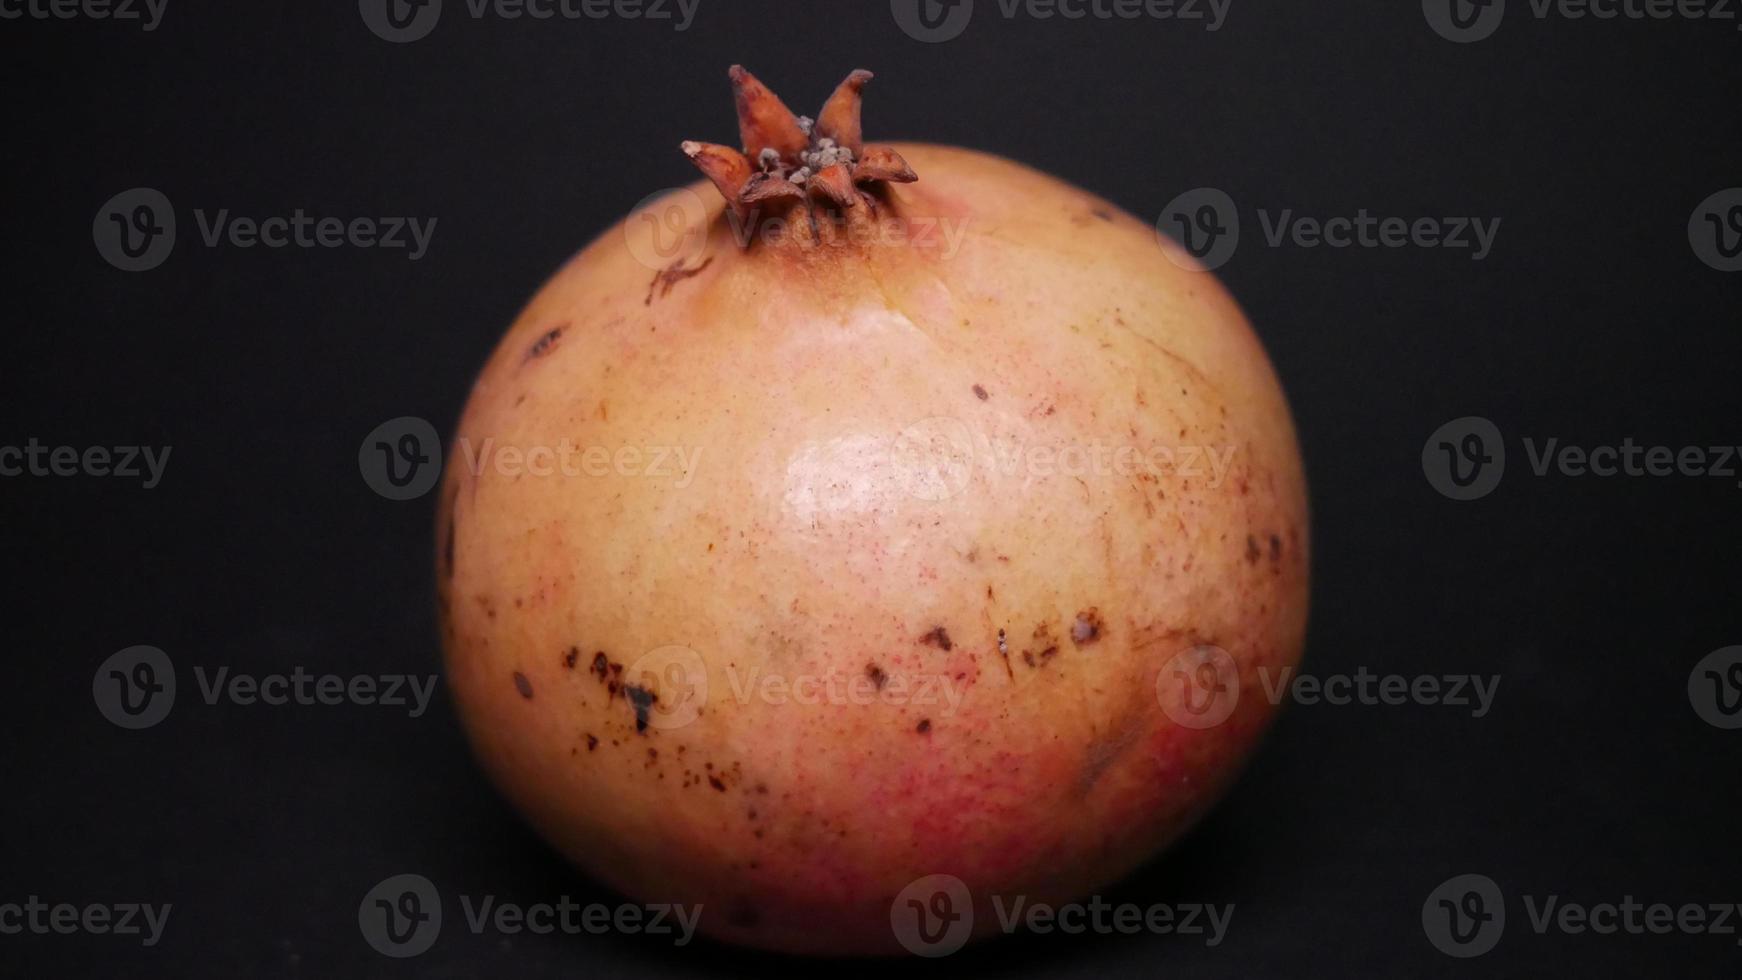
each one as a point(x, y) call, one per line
point(1275, 548)
point(1251, 550)
point(523, 685)
point(715, 782)
point(1102, 213)
point(641, 699)
point(545, 344)
point(924, 726)
point(980, 393)
point(569, 658)
point(878, 677)
point(670, 276)
point(938, 637)
point(601, 666)
point(1087, 629)
point(592, 742)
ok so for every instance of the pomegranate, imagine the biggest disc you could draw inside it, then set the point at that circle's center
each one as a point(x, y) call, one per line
point(906, 513)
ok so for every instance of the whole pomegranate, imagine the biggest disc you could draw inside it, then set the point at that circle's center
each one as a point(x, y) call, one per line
point(907, 514)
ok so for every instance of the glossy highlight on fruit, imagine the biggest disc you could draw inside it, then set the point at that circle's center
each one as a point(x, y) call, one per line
point(863, 514)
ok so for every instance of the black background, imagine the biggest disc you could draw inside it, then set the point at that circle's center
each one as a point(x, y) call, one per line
point(263, 549)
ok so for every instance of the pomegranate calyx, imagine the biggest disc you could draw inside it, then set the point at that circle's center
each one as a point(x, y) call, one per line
point(795, 158)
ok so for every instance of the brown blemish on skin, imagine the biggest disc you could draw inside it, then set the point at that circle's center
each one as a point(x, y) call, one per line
point(670, 276)
point(523, 685)
point(641, 699)
point(1252, 551)
point(924, 726)
point(592, 742)
point(1275, 548)
point(938, 637)
point(569, 658)
point(878, 677)
point(980, 393)
point(1048, 648)
point(1088, 627)
point(1102, 213)
point(544, 344)
point(601, 665)
point(715, 782)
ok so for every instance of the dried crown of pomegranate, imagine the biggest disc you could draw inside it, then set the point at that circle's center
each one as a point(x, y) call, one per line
point(795, 158)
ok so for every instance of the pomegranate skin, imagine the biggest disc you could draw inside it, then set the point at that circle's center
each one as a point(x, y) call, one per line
point(986, 470)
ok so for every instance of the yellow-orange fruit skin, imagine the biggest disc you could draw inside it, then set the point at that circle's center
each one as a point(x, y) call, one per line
point(875, 456)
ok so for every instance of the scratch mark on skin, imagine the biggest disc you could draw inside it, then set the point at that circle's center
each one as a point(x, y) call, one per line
point(544, 344)
point(1102, 753)
point(666, 279)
